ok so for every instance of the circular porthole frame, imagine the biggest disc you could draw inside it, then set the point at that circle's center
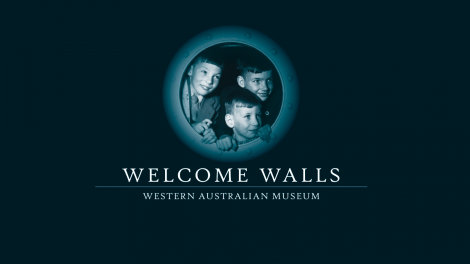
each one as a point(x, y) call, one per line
point(212, 37)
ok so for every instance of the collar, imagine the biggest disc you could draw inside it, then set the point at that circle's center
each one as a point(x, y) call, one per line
point(199, 97)
point(245, 141)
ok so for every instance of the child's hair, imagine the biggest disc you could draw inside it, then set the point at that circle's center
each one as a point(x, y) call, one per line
point(212, 56)
point(253, 61)
point(241, 98)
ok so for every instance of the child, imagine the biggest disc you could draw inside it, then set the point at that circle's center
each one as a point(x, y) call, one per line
point(201, 108)
point(256, 76)
point(243, 115)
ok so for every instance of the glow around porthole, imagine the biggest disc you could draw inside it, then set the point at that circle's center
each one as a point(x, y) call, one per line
point(217, 36)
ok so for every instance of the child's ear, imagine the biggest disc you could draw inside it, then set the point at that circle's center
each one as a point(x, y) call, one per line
point(229, 120)
point(190, 72)
point(241, 81)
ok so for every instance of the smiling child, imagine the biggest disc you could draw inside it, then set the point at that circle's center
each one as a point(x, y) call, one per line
point(200, 107)
point(243, 115)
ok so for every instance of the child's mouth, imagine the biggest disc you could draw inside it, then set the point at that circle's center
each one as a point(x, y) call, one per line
point(205, 87)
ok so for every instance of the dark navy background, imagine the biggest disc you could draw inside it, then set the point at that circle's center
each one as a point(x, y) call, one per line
point(99, 74)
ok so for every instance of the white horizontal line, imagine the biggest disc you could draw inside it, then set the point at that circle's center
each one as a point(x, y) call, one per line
point(230, 186)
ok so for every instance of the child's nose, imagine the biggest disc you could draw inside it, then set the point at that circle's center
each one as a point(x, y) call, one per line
point(256, 122)
point(263, 86)
point(209, 80)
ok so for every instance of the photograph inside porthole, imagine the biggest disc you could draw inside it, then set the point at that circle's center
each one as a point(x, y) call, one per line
point(231, 95)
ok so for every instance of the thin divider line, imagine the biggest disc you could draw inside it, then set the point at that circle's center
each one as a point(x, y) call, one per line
point(230, 186)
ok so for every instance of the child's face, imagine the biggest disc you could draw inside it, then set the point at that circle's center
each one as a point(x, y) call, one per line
point(246, 122)
point(204, 77)
point(261, 84)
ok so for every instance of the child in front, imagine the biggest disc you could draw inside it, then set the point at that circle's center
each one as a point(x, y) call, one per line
point(243, 115)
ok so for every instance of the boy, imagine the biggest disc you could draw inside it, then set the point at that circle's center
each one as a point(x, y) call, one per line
point(243, 115)
point(201, 108)
point(256, 76)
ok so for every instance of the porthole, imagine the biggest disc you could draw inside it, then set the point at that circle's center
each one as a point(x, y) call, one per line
point(232, 41)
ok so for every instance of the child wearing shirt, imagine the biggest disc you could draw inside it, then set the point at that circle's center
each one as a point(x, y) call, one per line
point(243, 115)
point(200, 107)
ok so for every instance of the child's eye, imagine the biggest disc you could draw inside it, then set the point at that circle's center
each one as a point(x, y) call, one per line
point(204, 72)
point(217, 77)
